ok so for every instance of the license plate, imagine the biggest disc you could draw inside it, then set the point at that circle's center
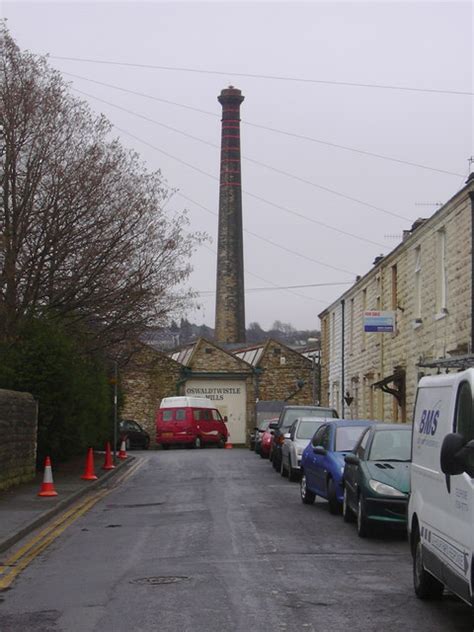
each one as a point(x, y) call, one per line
point(165, 435)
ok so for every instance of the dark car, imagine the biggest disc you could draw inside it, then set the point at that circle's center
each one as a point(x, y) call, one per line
point(322, 462)
point(287, 416)
point(377, 478)
point(133, 434)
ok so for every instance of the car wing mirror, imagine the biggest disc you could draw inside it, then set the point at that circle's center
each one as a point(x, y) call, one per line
point(287, 435)
point(318, 449)
point(352, 459)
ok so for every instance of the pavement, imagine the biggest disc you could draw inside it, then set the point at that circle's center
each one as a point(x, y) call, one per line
point(22, 510)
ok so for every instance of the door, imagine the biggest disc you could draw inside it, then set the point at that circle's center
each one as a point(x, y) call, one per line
point(315, 473)
point(352, 472)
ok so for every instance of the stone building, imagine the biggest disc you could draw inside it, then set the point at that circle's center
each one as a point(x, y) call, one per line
point(425, 284)
point(235, 378)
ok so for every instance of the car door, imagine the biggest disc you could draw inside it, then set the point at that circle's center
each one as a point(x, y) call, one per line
point(315, 477)
point(134, 433)
point(286, 447)
point(352, 471)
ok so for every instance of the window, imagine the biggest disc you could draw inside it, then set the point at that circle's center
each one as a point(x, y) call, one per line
point(362, 445)
point(464, 421)
point(167, 415)
point(180, 414)
point(394, 288)
point(391, 445)
point(347, 437)
point(417, 285)
point(441, 281)
point(319, 435)
point(216, 415)
point(306, 429)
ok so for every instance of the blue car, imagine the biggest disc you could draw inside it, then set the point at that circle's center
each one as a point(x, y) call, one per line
point(322, 462)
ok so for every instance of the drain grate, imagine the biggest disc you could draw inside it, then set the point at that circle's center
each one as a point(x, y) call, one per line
point(160, 581)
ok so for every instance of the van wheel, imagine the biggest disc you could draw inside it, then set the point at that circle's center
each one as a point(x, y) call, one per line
point(221, 442)
point(334, 505)
point(197, 443)
point(165, 446)
point(426, 586)
point(307, 496)
point(363, 528)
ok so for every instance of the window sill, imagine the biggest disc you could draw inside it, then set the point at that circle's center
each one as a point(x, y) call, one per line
point(417, 323)
point(440, 315)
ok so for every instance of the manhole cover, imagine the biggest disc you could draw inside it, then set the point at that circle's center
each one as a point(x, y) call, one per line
point(159, 581)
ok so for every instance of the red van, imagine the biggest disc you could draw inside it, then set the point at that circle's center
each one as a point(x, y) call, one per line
point(192, 421)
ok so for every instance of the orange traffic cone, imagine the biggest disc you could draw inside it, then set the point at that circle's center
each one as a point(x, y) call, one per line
point(47, 486)
point(108, 465)
point(228, 444)
point(123, 450)
point(89, 471)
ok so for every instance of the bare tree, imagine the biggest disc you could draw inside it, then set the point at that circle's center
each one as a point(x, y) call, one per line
point(83, 233)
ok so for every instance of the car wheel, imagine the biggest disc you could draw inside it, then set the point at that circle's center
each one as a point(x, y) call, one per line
point(363, 529)
point(127, 444)
point(146, 444)
point(347, 514)
point(283, 470)
point(307, 496)
point(426, 586)
point(293, 474)
point(334, 505)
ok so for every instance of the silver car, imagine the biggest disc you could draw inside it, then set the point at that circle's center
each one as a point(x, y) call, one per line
point(296, 439)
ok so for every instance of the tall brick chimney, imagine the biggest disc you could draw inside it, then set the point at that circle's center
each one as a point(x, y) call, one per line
point(230, 302)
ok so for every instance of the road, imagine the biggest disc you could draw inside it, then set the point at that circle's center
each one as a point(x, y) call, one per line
point(214, 540)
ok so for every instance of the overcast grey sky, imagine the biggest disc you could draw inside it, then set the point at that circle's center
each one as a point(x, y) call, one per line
point(294, 212)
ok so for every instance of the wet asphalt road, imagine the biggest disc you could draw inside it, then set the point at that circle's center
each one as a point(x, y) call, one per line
point(215, 540)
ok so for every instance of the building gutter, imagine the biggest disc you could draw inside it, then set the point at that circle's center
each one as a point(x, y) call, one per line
point(343, 353)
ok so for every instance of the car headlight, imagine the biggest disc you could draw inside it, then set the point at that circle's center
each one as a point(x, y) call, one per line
point(385, 490)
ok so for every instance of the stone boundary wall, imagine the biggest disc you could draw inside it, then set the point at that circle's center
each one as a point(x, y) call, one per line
point(18, 430)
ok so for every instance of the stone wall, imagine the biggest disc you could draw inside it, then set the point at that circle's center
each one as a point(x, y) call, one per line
point(149, 376)
point(281, 369)
point(18, 429)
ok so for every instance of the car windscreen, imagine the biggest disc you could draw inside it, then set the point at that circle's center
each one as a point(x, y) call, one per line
point(347, 437)
point(306, 429)
point(263, 425)
point(391, 445)
point(291, 415)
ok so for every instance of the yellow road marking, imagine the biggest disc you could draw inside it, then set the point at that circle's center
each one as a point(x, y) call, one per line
point(17, 562)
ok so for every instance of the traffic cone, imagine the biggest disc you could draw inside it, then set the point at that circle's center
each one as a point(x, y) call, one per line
point(108, 465)
point(47, 486)
point(89, 471)
point(123, 450)
point(228, 444)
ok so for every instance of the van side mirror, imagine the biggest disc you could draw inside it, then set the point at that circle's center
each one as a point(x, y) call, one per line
point(452, 457)
point(287, 435)
point(225, 418)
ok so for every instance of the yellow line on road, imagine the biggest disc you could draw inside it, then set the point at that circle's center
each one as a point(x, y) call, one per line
point(17, 562)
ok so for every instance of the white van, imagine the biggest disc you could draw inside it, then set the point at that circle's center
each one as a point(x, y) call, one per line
point(441, 505)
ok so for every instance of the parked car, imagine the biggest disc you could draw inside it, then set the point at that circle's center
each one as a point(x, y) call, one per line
point(322, 462)
point(133, 434)
point(295, 441)
point(192, 421)
point(377, 478)
point(259, 430)
point(266, 442)
point(286, 418)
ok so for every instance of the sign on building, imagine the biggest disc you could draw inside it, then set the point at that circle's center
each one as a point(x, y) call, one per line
point(379, 321)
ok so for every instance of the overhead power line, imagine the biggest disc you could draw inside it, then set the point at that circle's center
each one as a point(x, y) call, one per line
point(280, 171)
point(272, 129)
point(282, 287)
point(225, 73)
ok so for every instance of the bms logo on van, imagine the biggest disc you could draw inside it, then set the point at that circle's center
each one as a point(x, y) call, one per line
point(429, 422)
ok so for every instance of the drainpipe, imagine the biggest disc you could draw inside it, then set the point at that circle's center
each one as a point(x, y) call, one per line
point(471, 196)
point(343, 377)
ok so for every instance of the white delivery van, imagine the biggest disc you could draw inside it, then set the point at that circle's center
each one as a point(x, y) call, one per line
point(441, 505)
